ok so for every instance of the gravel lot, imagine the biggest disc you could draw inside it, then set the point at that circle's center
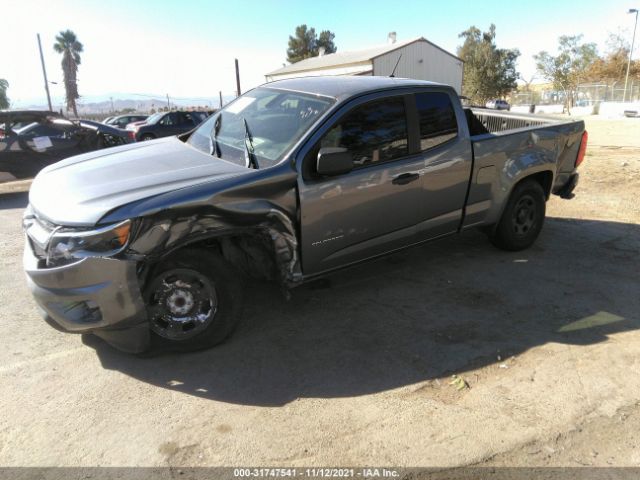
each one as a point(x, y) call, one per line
point(356, 370)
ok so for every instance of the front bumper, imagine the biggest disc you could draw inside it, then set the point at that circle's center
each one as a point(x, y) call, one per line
point(93, 295)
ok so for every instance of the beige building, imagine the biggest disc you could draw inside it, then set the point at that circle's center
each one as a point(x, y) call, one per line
point(417, 58)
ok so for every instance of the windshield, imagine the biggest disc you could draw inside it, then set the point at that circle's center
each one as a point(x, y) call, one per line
point(276, 119)
point(154, 118)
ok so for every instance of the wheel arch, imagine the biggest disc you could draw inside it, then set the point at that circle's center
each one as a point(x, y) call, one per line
point(249, 251)
point(260, 251)
point(543, 177)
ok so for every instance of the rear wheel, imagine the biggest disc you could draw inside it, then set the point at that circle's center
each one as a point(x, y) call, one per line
point(522, 219)
point(193, 300)
point(147, 136)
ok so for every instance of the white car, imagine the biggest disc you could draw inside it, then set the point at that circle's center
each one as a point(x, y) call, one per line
point(498, 105)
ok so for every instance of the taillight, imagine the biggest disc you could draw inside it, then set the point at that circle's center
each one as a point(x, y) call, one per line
point(131, 135)
point(583, 148)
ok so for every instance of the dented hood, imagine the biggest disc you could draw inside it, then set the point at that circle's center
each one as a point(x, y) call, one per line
point(80, 190)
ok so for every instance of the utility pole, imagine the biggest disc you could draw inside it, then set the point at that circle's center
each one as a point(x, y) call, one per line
point(220, 93)
point(626, 80)
point(238, 78)
point(112, 109)
point(168, 102)
point(44, 73)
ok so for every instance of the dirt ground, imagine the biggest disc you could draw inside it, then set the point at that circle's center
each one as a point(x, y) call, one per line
point(358, 370)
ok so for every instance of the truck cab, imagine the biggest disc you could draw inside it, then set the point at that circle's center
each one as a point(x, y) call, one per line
point(407, 182)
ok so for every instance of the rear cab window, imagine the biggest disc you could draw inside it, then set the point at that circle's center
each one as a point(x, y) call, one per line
point(437, 119)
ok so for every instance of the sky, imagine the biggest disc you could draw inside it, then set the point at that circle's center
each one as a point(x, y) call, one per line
point(187, 48)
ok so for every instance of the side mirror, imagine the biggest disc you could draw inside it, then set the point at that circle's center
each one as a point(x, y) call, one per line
point(334, 161)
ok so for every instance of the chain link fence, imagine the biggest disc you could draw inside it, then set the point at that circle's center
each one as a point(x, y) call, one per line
point(586, 94)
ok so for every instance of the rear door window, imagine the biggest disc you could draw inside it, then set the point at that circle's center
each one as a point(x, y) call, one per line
point(170, 119)
point(189, 118)
point(437, 119)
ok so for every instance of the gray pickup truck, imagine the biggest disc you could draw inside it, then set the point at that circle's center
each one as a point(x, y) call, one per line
point(147, 244)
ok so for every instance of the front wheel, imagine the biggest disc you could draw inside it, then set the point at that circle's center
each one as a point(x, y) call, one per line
point(522, 219)
point(193, 300)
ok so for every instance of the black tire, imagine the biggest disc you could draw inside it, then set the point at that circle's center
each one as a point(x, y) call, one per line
point(522, 219)
point(147, 136)
point(194, 300)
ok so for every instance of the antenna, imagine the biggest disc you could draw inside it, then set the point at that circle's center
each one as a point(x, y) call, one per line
point(393, 73)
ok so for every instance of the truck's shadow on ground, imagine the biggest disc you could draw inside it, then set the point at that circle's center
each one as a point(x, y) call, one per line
point(432, 311)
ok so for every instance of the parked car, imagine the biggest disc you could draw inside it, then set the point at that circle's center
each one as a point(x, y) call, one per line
point(31, 140)
point(289, 182)
point(108, 135)
point(133, 126)
point(121, 121)
point(498, 105)
point(167, 124)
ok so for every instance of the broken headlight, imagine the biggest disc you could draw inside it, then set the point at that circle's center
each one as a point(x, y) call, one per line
point(102, 242)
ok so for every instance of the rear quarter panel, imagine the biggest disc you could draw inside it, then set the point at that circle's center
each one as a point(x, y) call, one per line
point(503, 159)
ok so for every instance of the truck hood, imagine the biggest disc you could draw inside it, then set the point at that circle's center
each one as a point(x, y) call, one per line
point(80, 190)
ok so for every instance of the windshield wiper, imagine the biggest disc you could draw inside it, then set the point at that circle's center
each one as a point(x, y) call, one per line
point(215, 147)
point(249, 152)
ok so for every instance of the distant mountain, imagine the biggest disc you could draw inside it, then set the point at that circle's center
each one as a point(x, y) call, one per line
point(100, 105)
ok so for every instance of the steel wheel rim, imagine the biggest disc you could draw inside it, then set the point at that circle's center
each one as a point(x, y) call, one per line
point(524, 215)
point(181, 304)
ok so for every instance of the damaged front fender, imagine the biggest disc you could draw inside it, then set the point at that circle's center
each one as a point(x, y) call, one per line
point(249, 218)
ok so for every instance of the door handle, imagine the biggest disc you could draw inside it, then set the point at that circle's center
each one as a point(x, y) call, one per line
point(405, 178)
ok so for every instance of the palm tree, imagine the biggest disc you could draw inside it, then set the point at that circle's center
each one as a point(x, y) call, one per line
point(4, 101)
point(68, 45)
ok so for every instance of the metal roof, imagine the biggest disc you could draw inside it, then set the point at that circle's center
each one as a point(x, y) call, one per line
point(342, 87)
point(350, 57)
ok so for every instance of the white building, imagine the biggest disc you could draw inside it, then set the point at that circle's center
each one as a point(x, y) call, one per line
point(417, 58)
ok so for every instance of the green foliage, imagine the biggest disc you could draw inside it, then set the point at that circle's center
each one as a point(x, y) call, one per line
point(68, 45)
point(4, 100)
point(489, 71)
point(305, 43)
point(569, 67)
point(612, 66)
point(325, 39)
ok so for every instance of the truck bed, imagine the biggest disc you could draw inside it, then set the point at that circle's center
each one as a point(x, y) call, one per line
point(481, 121)
point(506, 145)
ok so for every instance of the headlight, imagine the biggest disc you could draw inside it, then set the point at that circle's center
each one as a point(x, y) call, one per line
point(103, 242)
